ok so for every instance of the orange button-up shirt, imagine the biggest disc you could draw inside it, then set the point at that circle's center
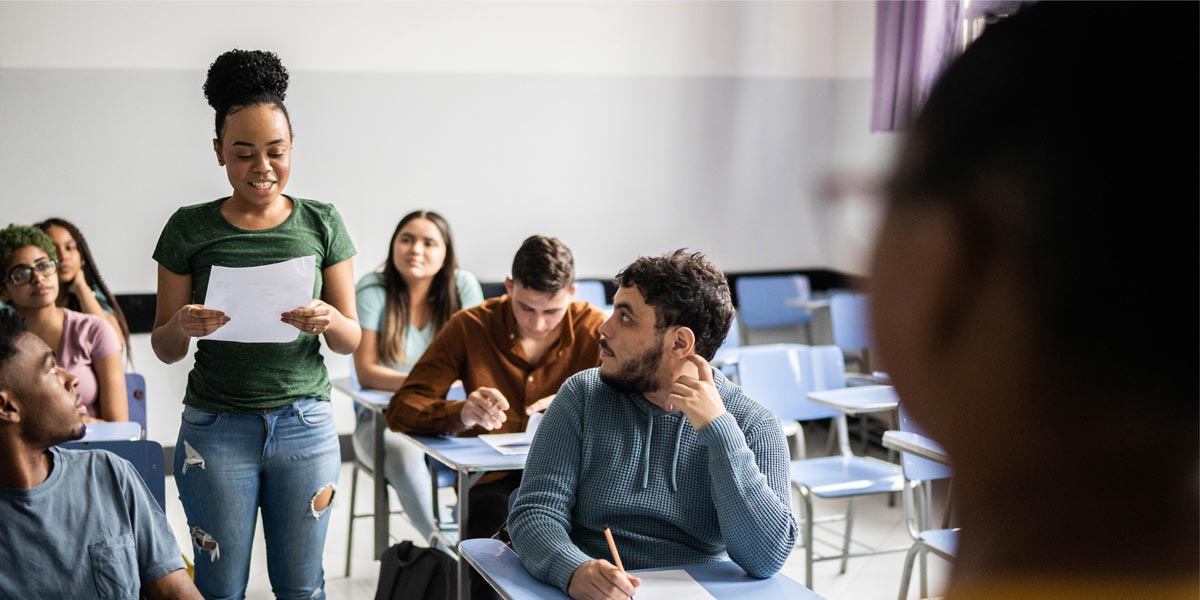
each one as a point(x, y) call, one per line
point(480, 346)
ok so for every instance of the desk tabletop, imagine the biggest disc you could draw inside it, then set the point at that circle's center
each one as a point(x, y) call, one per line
point(502, 568)
point(112, 431)
point(376, 400)
point(858, 399)
point(469, 454)
point(916, 444)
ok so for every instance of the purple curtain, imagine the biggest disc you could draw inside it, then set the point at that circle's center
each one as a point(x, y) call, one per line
point(914, 40)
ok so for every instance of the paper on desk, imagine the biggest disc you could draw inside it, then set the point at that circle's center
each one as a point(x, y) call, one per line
point(254, 297)
point(670, 585)
point(510, 444)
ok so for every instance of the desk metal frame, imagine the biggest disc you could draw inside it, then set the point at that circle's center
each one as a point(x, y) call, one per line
point(377, 402)
point(471, 459)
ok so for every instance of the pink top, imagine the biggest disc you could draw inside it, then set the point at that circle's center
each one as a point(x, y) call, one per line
point(86, 339)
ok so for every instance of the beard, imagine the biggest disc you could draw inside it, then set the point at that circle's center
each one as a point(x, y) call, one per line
point(638, 375)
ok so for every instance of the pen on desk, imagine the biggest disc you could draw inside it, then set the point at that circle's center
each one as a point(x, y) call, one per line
point(612, 546)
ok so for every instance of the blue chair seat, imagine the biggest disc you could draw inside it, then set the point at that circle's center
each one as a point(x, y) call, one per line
point(846, 476)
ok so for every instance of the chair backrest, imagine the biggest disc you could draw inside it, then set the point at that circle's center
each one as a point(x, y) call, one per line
point(780, 377)
point(135, 388)
point(591, 291)
point(146, 457)
point(773, 300)
point(915, 467)
point(848, 319)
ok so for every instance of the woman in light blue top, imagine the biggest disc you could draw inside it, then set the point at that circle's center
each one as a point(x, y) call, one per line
point(401, 308)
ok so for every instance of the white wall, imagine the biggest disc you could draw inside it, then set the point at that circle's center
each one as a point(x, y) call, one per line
point(623, 128)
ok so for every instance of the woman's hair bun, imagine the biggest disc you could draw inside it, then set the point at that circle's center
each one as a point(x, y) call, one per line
point(240, 77)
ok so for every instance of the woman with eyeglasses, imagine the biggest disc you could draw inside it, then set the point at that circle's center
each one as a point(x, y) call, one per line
point(85, 345)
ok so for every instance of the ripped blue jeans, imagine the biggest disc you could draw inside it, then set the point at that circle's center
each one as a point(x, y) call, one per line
point(230, 465)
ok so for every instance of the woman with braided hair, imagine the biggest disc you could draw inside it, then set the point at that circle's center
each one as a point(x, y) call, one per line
point(257, 431)
point(81, 288)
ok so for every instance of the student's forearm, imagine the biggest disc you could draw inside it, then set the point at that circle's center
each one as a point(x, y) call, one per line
point(169, 341)
point(114, 399)
point(379, 377)
point(755, 517)
point(544, 546)
point(539, 520)
point(343, 334)
point(175, 585)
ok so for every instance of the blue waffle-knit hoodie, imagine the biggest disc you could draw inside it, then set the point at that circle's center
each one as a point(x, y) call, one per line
point(671, 495)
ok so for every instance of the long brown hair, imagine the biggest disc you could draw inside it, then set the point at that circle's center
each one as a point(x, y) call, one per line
point(91, 273)
point(443, 292)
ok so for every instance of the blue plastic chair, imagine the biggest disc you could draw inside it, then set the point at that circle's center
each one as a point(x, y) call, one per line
point(773, 302)
point(146, 456)
point(591, 291)
point(135, 389)
point(919, 475)
point(781, 377)
point(726, 355)
point(848, 319)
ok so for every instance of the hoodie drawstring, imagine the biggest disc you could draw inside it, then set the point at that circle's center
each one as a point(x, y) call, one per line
point(675, 458)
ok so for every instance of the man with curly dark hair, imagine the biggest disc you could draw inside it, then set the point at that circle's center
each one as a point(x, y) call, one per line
point(655, 444)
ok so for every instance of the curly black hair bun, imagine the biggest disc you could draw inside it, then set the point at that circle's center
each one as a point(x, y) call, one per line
point(241, 77)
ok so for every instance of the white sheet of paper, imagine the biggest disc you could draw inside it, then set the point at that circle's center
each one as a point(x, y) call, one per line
point(254, 297)
point(507, 444)
point(531, 427)
point(670, 585)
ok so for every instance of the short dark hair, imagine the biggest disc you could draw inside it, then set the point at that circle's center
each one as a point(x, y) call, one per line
point(685, 289)
point(11, 326)
point(1064, 139)
point(544, 264)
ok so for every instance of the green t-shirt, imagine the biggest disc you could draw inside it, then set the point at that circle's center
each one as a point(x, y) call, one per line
point(237, 376)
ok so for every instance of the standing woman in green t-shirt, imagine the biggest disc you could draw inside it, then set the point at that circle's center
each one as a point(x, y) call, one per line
point(257, 431)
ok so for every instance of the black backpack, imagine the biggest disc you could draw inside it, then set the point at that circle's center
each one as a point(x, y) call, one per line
point(408, 572)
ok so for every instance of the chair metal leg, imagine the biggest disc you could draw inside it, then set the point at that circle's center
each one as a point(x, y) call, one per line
point(906, 577)
point(924, 493)
point(846, 538)
point(798, 444)
point(808, 538)
point(350, 516)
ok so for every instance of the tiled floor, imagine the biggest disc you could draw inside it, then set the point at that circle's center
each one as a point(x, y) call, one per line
point(876, 524)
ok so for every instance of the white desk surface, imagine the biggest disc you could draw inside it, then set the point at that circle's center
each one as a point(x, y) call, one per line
point(915, 444)
point(502, 568)
point(859, 399)
point(112, 431)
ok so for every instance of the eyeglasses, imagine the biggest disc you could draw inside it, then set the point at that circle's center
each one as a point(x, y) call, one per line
point(21, 274)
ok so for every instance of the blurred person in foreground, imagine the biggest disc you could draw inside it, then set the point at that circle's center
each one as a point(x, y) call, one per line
point(1053, 163)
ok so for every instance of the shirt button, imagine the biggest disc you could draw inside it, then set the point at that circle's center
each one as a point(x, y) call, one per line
point(530, 379)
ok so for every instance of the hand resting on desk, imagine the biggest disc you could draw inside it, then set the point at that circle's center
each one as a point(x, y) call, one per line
point(599, 579)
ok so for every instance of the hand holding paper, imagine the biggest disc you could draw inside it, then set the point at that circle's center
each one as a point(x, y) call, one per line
point(197, 321)
point(253, 298)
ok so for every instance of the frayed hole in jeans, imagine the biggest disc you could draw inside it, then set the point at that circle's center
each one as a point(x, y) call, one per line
point(321, 501)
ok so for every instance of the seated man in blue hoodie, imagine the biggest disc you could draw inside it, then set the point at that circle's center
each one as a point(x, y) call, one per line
point(655, 444)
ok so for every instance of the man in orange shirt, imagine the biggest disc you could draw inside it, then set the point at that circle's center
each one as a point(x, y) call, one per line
point(512, 353)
